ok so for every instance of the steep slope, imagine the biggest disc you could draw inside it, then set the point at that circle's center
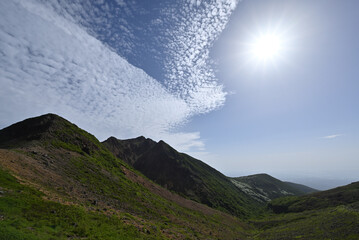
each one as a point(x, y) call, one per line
point(61, 182)
point(184, 175)
point(264, 187)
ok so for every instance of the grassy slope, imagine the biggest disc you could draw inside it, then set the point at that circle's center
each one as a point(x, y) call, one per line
point(338, 196)
point(332, 214)
point(335, 223)
point(26, 215)
point(185, 175)
point(88, 183)
point(68, 186)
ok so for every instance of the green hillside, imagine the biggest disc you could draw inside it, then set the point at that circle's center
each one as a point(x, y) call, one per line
point(332, 214)
point(26, 215)
point(331, 198)
point(334, 223)
point(60, 182)
point(184, 175)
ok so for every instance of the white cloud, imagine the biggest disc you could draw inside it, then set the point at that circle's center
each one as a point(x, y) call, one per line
point(109, 22)
point(49, 63)
point(187, 141)
point(332, 136)
point(177, 40)
point(189, 74)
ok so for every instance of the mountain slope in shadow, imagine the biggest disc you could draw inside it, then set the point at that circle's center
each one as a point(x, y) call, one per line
point(183, 174)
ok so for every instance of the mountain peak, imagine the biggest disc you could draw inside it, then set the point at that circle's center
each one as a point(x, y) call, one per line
point(163, 144)
point(29, 129)
point(163, 148)
point(111, 139)
point(131, 149)
point(49, 129)
point(141, 138)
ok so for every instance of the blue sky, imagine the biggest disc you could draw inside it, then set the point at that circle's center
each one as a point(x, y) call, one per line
point(181, 71)
point(298, 116)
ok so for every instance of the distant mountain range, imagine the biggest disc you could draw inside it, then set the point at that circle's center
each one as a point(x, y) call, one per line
point(59, 182)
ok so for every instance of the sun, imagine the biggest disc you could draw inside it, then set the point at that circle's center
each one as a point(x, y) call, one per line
point(266, 47)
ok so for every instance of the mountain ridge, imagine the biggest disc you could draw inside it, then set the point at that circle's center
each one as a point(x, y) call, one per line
point(183, 174)
point(66, 165)
point(59, 182)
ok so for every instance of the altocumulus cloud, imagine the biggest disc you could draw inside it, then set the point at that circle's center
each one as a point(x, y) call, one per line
point(188, 65)
point(50, 63)
point(175, 35)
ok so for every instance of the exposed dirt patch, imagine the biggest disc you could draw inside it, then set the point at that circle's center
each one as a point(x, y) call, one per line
point(38, 172)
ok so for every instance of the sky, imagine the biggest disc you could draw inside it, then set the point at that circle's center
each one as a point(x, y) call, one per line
point(189, 72)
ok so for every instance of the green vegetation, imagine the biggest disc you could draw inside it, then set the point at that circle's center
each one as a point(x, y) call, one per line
point(187, 176)
point(89, 190)
point(69, 186)
point(332, 214)
point(339, 222)
point(26, 215)
point(331, 198)
point(130, 212)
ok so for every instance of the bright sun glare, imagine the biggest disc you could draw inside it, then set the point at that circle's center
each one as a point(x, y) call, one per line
point(266, 47)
